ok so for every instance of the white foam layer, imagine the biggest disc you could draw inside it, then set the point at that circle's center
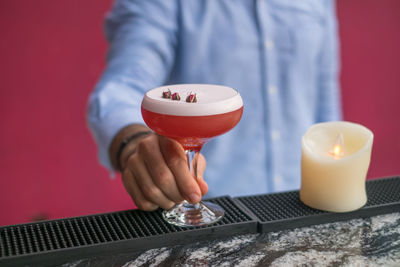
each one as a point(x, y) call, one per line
point(211, 100)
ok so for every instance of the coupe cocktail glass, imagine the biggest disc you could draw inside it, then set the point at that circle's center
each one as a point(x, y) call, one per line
point(217, 110)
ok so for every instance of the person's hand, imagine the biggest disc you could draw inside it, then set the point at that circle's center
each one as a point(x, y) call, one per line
point(157, 175)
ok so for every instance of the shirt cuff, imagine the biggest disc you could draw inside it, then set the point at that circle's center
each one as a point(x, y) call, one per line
point(106, 127)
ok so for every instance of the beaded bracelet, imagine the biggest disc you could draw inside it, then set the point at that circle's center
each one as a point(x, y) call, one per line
point(127, 141)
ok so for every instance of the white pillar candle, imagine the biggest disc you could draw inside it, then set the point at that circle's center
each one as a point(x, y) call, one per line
point(334, 163)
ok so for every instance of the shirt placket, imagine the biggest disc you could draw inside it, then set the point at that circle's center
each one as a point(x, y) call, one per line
point(270, 94)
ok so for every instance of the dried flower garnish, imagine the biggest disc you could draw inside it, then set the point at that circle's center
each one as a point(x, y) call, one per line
point(166, 94)
point(175, 96)
point(191, 98)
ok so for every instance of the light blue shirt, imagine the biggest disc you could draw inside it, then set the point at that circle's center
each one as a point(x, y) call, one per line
point(281, 55)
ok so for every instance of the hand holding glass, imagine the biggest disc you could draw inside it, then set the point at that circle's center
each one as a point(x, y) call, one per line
point(217, 110)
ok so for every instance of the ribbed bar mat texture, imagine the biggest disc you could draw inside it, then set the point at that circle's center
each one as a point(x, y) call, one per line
point(50, 243)
point(285, 210)
point(54, 242)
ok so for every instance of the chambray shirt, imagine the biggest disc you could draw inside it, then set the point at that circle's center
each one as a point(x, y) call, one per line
point(281, 55)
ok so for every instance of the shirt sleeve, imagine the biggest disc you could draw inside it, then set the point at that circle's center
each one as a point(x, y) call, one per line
point(142, 37)
point(329, 102)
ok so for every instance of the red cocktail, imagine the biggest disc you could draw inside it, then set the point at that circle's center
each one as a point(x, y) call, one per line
point(191, 131)
point(217, 109)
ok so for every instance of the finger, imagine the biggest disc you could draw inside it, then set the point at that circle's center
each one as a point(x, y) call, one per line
point(201, 166)
point(203, 185)
point(175, 158)
point(133, 190)
point(148, 189)
point(161, 175)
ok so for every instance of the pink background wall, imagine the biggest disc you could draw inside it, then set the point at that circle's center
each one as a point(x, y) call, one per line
point(52, 53)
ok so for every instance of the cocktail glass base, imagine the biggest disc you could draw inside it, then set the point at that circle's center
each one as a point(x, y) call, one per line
point(192, 215)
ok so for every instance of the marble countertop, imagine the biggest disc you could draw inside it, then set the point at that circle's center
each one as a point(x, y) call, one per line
point(373, 241)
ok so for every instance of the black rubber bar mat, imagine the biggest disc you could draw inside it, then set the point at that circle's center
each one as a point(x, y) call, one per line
point(50, 243)
point(285, 210)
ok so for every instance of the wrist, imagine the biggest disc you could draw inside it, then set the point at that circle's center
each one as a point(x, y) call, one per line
point(118, 140)
point(128, 147)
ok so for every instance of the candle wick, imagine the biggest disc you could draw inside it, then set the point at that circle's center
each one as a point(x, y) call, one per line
point(337, 150)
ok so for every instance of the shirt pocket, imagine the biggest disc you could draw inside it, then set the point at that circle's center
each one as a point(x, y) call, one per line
point(297, 27)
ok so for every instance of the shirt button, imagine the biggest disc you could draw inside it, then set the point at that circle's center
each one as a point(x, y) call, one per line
point(269, 44)
point(272, 90)
point(275, 135)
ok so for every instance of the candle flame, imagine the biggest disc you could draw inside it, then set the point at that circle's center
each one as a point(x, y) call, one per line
point(337, 150)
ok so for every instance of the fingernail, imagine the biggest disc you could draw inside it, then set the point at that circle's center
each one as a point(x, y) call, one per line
point(194, 198)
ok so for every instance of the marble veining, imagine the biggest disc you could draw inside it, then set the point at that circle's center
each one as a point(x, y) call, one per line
point(361, 242)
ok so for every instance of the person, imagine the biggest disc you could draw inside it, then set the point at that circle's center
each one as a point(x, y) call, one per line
point(282, 57)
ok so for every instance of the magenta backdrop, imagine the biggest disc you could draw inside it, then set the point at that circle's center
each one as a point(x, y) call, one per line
point(52, 53)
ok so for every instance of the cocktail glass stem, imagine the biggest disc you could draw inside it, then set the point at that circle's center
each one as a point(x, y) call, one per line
point(198, 214)
point(191, 157)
